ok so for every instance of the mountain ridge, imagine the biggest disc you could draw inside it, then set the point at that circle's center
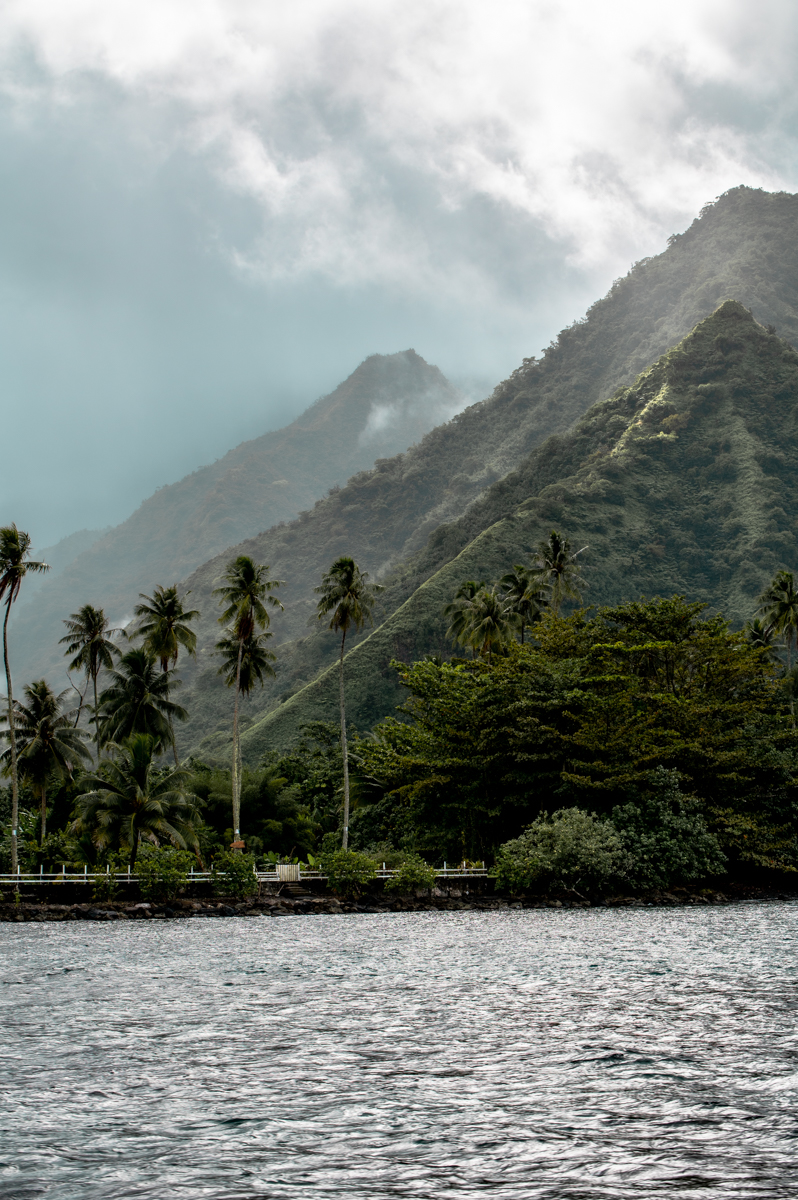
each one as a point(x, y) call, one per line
point(691, 467)
point(409, 515)
point(388, 402)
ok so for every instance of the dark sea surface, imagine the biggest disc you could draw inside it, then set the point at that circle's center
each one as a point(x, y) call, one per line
point(516, 1055)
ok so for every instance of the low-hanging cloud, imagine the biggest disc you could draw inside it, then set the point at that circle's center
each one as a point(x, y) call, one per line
point(387, 142)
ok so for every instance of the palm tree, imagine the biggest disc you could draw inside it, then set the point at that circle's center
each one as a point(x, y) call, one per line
point(347, 600)
point(459, 612)
point(137, 701)
point(557, 570)
point(246, 591)
point(47, 740)
point(131, 802)
point(164, 626)
point(256, 661)
point(778, 604)
point(491, 621)
point(14, 566)
point(88, 639)
point(525, 598)
point(761, 636)
point(242, 665)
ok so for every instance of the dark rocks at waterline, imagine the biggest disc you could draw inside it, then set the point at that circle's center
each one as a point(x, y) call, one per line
point(28, 909)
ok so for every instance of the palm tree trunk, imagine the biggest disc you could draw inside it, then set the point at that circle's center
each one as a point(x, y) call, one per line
point(165, 668)
point(44, 812)
point(96, 717)
point(345, 843)
point(13, 744)
point(236, 778)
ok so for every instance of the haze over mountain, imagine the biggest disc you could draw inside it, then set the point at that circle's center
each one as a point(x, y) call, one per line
point(406, 518)
point(389, 402)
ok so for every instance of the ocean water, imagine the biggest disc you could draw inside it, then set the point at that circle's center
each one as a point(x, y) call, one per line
point(514, 1055)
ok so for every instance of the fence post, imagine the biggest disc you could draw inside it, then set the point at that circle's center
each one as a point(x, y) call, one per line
point(85, 870)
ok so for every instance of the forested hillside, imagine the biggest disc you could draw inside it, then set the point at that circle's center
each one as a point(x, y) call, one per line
point(686, 482)
point(389, 402)
point(414, 512)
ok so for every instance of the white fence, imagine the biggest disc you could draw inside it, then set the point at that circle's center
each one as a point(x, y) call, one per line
point(282, 873)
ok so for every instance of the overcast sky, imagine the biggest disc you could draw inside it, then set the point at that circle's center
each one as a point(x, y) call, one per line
point(212, 211)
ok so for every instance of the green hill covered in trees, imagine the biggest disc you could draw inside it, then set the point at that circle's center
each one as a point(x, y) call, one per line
point(411, 514)
point(685, 482)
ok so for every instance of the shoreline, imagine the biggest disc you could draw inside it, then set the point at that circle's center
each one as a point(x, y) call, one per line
point(278, 905)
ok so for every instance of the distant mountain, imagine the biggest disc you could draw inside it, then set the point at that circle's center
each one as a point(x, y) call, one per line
point(685, 482)
point(389, 402)
point(409, 516)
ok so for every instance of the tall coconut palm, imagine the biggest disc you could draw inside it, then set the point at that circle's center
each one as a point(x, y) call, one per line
point(244, 664)
point(524, 596)
point(137, 701)
point(14, 566)
point(131, 802)
point(557, 570)
point(246, 595)
point(47, 741)
point(347, 600)
point(164, 624)
point(88, 640)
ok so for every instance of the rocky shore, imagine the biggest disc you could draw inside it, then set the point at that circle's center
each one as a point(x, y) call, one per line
point(279, 905)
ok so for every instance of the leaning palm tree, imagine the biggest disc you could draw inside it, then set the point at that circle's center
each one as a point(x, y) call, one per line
point(47, 741)
point(137, 701)
point(524, 596)
point(88, 640)
point(164, 624)
point(14, 566)
point(347, 600)
point(130, 801)
point(242, 665)
point(557, 570)
point(245, 593)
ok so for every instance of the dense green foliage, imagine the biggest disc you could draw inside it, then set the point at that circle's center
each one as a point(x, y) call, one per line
point(412, 875)
point(347, 871)
point(234, 875)
point(579, 719)
point(163, 872)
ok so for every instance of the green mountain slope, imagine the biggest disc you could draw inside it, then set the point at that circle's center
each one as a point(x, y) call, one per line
point(687, 481)
point(389, 402)
point(412, 513)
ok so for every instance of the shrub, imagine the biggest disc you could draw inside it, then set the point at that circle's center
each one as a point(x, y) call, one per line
point(347, 870)
point(569, 849)
point(665, 836)
point(412, 874)
point(234, 875)
point(163, 872)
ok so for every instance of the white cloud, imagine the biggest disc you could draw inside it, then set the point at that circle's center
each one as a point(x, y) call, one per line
point(364, 131)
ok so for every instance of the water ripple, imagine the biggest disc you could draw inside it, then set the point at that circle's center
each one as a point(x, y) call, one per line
point(524, 1055)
